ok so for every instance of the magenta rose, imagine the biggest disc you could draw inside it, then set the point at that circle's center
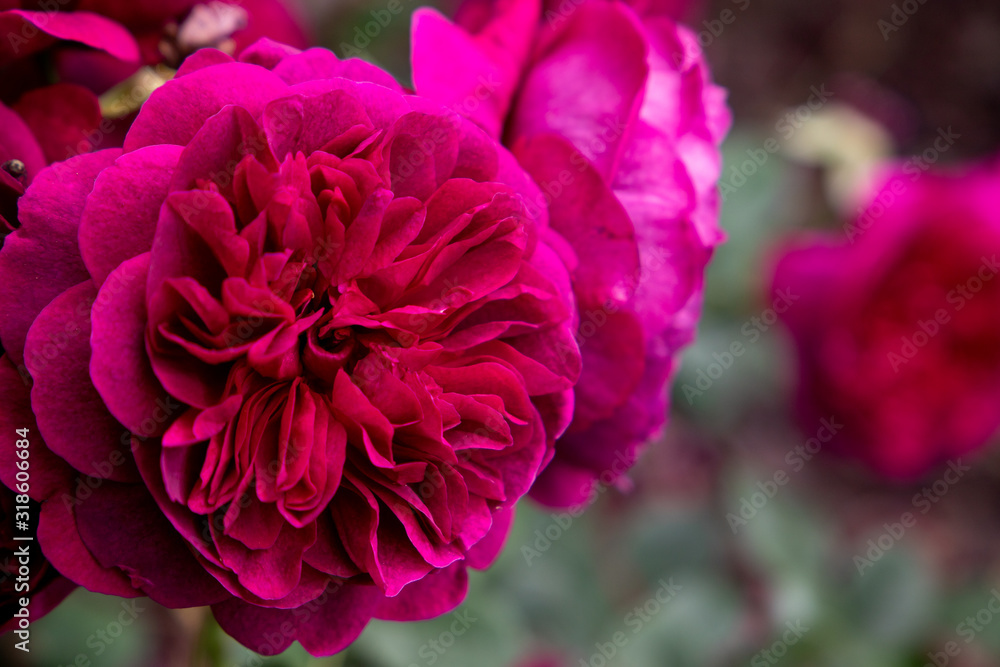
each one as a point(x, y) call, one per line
point(615, 117)
point(294, 352)
point(897, 326)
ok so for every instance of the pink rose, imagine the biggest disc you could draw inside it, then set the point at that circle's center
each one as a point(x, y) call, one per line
point(295, 352)
point(897, 326)
point(616, 119)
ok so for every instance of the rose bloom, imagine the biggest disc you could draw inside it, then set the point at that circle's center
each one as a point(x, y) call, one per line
point(613, 114)
point(897, 327)
point(294, 352)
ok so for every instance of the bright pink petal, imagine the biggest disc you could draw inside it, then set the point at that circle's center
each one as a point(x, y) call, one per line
point(588, 84)
point(29, 32)
point(175, 112)
point(475, 76)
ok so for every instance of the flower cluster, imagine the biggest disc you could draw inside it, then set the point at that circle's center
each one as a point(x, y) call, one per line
point(298, 347)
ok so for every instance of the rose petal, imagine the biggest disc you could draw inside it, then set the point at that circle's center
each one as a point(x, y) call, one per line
point(324, 626)
point(119, 365)
point(588, 84)
point(63, 117)
point(42, 259)
point(29, 32)
point(18, 143)
point(437, 593)
point(49, 473)
point(72, 418)
point(62, 545)
point(119, 219)
point(175, 112)
point(123, 527)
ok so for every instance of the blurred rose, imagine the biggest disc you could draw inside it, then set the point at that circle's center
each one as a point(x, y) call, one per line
point(48, 123)
point(615, 117)
point(898, 325)
point(43, 37)
point(295, 352)
point(678, 10)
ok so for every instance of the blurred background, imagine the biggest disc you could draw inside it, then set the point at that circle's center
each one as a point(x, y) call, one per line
point(733, 544)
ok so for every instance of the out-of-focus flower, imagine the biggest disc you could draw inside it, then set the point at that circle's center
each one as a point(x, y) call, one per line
point(24, 572)
point(897, 326)
point(678, 10)
point(615, 117)
point(43, 37)
point(43, 40)
point(295, 352)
